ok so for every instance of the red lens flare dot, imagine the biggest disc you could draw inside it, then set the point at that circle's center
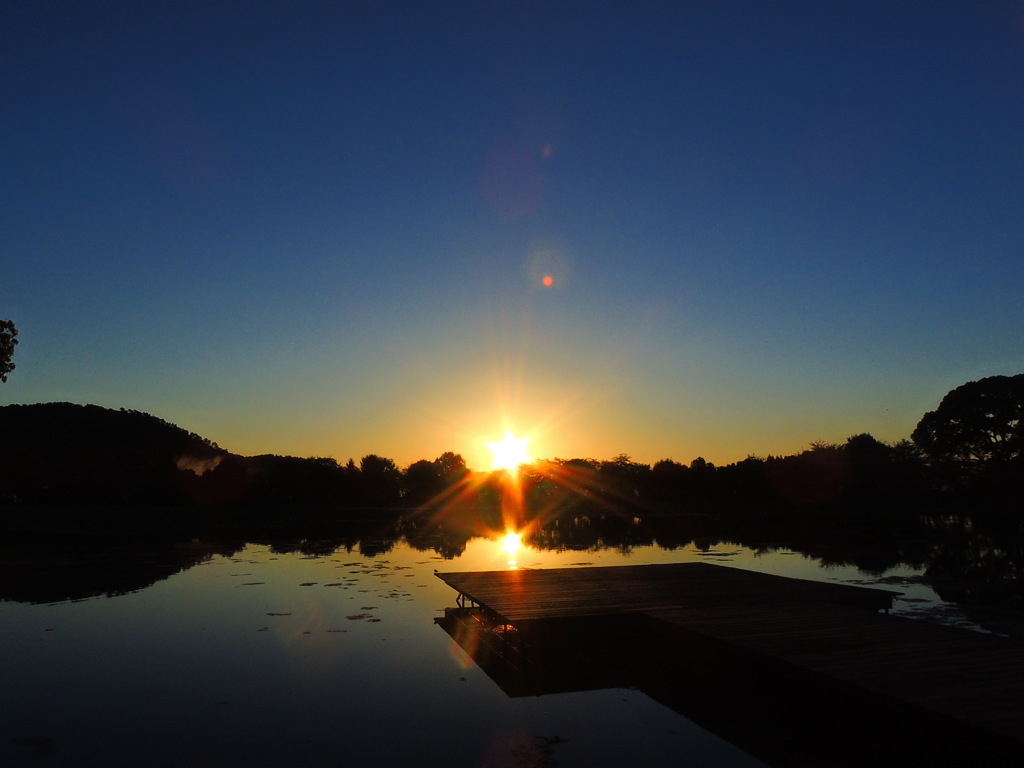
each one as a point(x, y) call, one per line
point(548, 281)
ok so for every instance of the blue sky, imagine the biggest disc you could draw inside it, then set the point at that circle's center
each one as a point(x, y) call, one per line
point(322, 228)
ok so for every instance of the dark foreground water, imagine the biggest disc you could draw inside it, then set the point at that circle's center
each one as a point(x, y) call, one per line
point(272, 658)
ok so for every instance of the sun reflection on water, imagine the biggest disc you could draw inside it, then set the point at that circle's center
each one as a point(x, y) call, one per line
point(511, 544)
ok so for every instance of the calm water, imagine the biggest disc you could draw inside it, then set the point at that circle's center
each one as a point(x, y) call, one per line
point(268, 658)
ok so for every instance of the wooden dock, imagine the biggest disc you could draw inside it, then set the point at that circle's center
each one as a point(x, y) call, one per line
point(964, 684)
point(525, 595)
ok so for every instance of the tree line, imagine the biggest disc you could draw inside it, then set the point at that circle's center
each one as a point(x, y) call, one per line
point(967, 450)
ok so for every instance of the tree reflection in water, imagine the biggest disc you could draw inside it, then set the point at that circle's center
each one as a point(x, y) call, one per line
point(976, 564)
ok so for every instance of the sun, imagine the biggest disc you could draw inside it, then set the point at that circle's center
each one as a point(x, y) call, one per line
point(509, 452)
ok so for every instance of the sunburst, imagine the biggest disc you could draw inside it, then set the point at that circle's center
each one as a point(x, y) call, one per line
point(509, 452)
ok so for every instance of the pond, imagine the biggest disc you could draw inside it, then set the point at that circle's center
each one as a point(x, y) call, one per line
point(259, 656)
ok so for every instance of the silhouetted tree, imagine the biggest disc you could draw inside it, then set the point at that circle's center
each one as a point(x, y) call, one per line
point(667, 471)
point(424, 480)
point(700, 464)
point(907, 467)
point(421, 482)
point(561, 486)
point(451, 467)
point(976, 431)
point(868, 461)
point(318, 481)
point(865, 450)
point(744, 485)
point(668, 479)
point(8, 341)
point(379, 480)
point(701, 478)
point(350, 482)
point(623, 479)
point(817, 476)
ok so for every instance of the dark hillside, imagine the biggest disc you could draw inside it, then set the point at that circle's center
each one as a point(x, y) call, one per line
point(60, 453)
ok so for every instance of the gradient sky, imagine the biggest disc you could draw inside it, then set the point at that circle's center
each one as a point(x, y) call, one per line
point(322, 228)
